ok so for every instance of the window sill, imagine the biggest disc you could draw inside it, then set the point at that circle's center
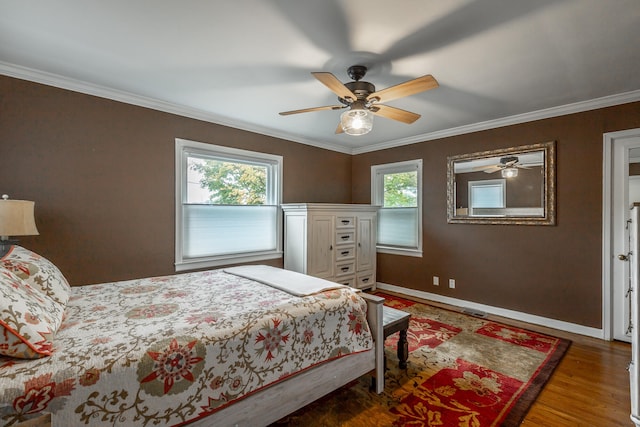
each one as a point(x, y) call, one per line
point(399, 251)
point(200, 263)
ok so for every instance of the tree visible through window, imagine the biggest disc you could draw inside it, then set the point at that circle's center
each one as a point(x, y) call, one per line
point(401, 190)
point(230, 183)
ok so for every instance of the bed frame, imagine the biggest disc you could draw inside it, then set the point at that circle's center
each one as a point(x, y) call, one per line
point(279, 400)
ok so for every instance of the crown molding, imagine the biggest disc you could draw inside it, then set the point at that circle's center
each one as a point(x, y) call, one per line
point(62, 82)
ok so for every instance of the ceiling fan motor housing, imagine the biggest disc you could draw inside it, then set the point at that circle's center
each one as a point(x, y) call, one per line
point(359, 89)
point(357, 72)
point(509, 159)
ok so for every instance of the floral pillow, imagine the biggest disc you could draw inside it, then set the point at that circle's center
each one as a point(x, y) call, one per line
point(38, 272)
point(29, 319)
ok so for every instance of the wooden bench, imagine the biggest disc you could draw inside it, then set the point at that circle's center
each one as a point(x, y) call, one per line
point(393, 321)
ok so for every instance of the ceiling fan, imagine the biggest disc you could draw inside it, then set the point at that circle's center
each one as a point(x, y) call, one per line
point(363, 101)
point(509, 166)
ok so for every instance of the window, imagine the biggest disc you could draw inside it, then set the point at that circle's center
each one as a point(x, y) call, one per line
point(489, 193)
point(397, 189)
point(227, 205)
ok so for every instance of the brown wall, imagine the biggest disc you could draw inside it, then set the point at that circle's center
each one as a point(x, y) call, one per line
point(550, 271)
point(102, 176)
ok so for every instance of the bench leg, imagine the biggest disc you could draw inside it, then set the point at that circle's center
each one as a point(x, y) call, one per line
point(403, 349)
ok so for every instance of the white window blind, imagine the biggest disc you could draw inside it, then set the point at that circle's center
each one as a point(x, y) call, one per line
point(487, 194)
point(211, 230)
point(397, 227)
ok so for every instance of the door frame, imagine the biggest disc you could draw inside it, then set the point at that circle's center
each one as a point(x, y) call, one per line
point(611, 141)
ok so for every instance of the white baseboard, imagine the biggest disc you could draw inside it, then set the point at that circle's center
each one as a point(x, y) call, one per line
point(510, 314)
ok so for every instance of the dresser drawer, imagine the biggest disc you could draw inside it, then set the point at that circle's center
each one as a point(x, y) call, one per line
point(366, 280)
point(345, 237)
point(345, 253)
point(347, 281)
point(345, 269)
point(345, 222)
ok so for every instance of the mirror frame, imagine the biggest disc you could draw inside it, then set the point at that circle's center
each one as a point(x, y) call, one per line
point(549, 187)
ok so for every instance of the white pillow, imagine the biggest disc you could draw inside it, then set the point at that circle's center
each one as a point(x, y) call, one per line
point(29, 319)
point(38, 272)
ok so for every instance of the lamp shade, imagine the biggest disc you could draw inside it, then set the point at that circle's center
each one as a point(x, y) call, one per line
point(356, 121)
point(16, 218)
point(509, 172)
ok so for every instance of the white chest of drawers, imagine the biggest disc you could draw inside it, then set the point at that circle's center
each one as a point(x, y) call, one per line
point(336, 242)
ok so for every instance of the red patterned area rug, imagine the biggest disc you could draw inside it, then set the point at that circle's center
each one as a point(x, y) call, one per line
point(463, 371)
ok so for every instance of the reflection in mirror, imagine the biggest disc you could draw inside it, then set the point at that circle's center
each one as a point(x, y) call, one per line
point(507, 186)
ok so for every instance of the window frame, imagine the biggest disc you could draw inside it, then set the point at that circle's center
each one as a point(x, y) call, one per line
point(183, 148)
point(377, 198)
point(498, 182)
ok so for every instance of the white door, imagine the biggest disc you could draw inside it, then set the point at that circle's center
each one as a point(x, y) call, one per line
point(634, 197)
point(634, 368)
point(623, 192)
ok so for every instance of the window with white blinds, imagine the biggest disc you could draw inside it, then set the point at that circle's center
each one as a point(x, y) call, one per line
point(227, 205)
point(489, 193)
point(397, 189)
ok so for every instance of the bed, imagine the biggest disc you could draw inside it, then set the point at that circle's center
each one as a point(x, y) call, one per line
point(237, 346)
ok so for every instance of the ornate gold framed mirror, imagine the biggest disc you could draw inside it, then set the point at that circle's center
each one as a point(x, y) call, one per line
point(506, 186)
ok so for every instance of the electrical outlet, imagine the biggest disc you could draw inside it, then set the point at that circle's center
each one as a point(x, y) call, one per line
point(452, 283)
point(436, 281)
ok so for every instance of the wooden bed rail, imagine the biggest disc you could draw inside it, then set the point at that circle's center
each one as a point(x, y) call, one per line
point(374, 317)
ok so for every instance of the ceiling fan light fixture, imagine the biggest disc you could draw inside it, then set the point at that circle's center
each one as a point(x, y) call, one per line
point(509, 172)
point(356, 121)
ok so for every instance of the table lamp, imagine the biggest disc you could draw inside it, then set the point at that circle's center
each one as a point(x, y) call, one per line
point(16, 219)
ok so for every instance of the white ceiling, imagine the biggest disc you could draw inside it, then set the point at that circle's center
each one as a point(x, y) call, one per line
point(241, 62)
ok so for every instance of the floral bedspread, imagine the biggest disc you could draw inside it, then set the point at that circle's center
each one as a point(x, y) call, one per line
point(166, 350)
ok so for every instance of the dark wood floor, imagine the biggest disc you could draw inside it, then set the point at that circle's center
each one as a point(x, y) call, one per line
point(590, 386)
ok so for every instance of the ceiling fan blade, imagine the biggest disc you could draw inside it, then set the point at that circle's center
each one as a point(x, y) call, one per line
point(401, 90)
point(339, 129)
point(336, 86)
point(307, 110)
point(394, 113)
point(479, 169)
point(492, 169)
